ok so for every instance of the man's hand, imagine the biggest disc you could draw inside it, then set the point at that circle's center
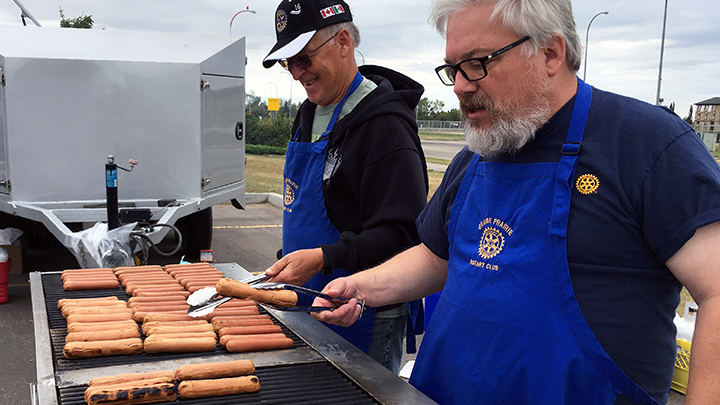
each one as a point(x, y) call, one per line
point(298, 267)
point(346, 313)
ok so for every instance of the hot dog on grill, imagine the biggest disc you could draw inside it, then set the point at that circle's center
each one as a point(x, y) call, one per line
point(233, 288)
point(98, 317)
point(164, 344)
point(75, 350)
point(249, 330)
point(218, 387)
point(75, 284)
point(242, 344)
point(73, 310)
point(240, 322)
point(100, 326)
point(168, 375)
point(91, 336)
point(167, 329)
point(146, 326)
point(135, 392)
point(145, 293)
point(222, 369)
point(111, 300)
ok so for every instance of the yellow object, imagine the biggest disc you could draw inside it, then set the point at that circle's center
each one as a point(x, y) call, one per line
point(682, 366)
point(273, 104)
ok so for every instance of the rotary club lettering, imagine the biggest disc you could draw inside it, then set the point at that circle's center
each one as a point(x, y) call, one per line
point(494, 231)
point(289, 194)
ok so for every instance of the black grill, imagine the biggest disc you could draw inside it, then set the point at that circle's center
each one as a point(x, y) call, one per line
point(310, 380)
point(58, 330)
point(310, 383)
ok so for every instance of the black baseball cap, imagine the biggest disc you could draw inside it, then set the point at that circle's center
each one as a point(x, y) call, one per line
point(296, 21)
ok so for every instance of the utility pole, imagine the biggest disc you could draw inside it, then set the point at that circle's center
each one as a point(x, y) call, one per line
point(658, 100)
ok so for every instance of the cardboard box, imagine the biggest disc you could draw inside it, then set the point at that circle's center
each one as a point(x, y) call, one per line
point(15, 254)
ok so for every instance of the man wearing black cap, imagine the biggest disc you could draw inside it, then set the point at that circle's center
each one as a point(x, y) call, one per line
point(355, 174)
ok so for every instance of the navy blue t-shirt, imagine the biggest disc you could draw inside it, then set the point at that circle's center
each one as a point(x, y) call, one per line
point(644, 183)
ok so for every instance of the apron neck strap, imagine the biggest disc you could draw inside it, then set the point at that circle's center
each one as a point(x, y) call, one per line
point(568, 161)
point(338, 108)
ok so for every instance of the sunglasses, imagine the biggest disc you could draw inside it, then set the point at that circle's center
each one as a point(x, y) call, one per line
point(304, 61)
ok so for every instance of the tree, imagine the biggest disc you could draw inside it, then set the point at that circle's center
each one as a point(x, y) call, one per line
point(428, 110)
point(262, 129)
point(84, 21)
point(689, 118)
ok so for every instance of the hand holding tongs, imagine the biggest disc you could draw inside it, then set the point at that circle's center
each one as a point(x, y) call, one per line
point(205, 300)
point(306, 291)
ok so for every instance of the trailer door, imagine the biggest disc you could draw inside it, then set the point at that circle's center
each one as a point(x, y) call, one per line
point(223, 121)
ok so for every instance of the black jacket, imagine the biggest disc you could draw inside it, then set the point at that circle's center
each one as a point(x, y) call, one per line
point(380, 184)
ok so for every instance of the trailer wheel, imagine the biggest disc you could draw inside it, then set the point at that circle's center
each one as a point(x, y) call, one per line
point(196, 231)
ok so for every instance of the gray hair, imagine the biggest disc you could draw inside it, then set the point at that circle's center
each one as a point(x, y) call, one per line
point(538, 19)
point(326, 32)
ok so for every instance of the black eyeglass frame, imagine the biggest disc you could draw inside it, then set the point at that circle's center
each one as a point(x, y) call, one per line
point(448, 79)
point(304, 61)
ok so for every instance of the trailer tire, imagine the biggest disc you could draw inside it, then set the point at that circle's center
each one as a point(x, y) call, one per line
point(196, 232)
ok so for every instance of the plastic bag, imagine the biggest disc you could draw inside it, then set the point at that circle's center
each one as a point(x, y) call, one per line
point(97, 247)
point(9, 236)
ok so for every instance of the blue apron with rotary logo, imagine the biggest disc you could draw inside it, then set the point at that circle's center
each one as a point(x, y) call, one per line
point(305, 221)
point(508, 328)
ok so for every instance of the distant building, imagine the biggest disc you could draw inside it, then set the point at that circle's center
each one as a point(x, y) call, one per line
point(707, 115)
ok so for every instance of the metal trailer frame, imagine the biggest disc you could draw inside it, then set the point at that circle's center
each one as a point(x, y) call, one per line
point(69, 98)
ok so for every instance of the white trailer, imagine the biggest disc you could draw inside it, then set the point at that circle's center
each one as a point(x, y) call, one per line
point(69, 98)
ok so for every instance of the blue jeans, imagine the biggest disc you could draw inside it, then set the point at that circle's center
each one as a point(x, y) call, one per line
point(386, 342)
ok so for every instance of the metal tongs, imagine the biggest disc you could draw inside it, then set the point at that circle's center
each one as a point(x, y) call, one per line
point(306, 291)
point(205, 300)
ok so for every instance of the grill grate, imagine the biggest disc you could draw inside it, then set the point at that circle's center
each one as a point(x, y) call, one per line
point(53, 290)
point(308, 383)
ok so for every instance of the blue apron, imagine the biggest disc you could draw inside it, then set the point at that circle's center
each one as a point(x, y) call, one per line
point(305, 221)
point(507, 328)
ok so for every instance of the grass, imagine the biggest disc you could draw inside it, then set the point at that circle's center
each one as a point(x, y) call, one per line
point(264, 174)
point(442, 136)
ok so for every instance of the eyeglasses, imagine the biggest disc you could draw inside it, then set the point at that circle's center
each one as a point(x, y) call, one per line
point(304, 61)
point(472, 69)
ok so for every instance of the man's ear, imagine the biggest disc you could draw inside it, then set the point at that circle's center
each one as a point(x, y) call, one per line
point(555, 54)
point(343, 38)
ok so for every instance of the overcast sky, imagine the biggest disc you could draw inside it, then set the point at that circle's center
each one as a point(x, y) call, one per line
point(623, 50)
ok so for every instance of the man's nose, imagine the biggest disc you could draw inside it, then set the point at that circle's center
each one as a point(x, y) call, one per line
point(463, 85)
point(295, 70)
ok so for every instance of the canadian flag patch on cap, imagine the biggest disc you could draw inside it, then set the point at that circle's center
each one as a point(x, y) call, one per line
point(332, 10)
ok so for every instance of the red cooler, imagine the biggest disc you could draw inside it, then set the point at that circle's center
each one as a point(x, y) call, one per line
point(5, 265)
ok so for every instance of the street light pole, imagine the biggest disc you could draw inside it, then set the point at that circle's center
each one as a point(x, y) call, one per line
point(587, 34)
point(662, 51)
point(247, 10)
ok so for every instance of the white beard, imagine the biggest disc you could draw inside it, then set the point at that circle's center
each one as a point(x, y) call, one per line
point(514, 122)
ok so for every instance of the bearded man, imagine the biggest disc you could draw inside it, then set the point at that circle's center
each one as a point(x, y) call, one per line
point(561, 236)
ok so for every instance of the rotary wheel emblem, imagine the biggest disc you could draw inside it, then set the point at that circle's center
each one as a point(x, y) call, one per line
point(491, 243)
point(289, 195)
point(587, 184)
point(281, 20)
